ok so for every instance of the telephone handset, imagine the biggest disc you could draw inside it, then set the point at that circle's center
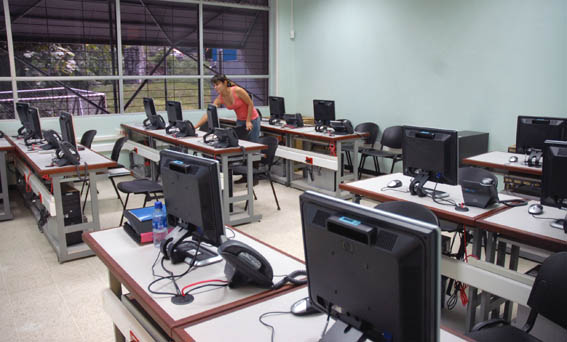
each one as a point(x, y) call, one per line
point(185, 129)
point(245, 265)
point(342, 126)
point(156, 123)
point(52, 138)
point(294, 120)
point(274, 120)
point(226, 137)
point(67, 154)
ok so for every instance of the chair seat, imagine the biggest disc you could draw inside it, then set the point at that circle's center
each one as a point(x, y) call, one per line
point(243, 170)
point(139, 186)
point(502, 333)
point(118, 172)
point(383, 154)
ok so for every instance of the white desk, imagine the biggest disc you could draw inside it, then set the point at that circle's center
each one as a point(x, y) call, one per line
point(500, 161)
point(5, 211)
point(243, 325)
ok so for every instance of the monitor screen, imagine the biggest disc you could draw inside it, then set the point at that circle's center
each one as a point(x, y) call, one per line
point(532, 131)
point(185, 175)
point(430, 153)
point(372, 270)
point(324, 111)
point(34, 131)
point(212, 117)
point(22, 109)
point(554, 171)
point(67, 129)
point(277, 106)
point(174, 112)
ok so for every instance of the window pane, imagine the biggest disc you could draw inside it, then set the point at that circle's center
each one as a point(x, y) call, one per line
point(6, 101)
point(159, 38)
point(184, 91)
point(245, 2)
point(257, 88)
point(235, 41)
point(76, 97)
point(64, 37)
point(4, 60)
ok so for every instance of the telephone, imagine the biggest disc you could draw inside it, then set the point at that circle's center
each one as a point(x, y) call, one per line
point(274, 120)
point(67, 154)
point(53, 138)
point(320, 128)
point(154, 122)
point(226, 137)
point(479, 194)
point(293, 120)
point(342, 126)
point(184, 129)
point(535, 157)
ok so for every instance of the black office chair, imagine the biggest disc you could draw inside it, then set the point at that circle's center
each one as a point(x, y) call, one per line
point(264, 167)
point(548, 298)
point(391, 138)
point(366, 127)
point(87, 138)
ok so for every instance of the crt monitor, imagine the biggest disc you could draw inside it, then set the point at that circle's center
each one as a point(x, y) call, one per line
point(377, 273)
point(185, 175)
point(67, 128)
point(429, 154)
point(324, 111)
point(174, 112)
point(212, 117)
point(532, 131)
point(553, 179)
point(277, 107)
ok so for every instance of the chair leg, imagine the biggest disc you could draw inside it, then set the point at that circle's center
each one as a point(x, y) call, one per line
point(361, 165)
point(349, 161)
point(254, 193)
point(376, 165)
point(116, 190)
point(394, 161)
point(273, 190)
point(124, 208)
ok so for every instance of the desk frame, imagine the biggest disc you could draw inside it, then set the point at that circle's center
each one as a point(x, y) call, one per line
point(5, 210)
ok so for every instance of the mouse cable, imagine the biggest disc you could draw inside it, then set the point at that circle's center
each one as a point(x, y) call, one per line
point(544, 218)
point(391, 189)
point(271, 313)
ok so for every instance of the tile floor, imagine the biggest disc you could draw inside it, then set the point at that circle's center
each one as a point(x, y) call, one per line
point(42, 300)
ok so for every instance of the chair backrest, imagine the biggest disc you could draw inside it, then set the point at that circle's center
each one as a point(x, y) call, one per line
point(392, 137)
point(88, 137)
point(117, 148)
point(411, 210)
point(371, 128)
point(475, 174)
point(270, 152)
point(549, 292)
point(259, 112)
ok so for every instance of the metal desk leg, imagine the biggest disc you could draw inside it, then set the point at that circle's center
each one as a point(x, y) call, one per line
point(94, 200)
point(116, 288)
point(490, 255)
point(153, 167)
point(5, 212)
point(514, 259)
point(339, 174)
point(473, 292)
point(356, 199)
point(355, 158)
point(250, 184)
point(289, 163)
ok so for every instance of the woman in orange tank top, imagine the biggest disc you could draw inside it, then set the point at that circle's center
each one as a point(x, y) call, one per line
point(237, 99)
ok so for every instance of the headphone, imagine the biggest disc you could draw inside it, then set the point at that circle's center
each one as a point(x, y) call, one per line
point(292, 279)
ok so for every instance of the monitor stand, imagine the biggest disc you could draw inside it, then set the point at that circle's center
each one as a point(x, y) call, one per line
point(417, 187)
point(559, 224)
point(438, 194)
point(205, 256)
point(342, 332)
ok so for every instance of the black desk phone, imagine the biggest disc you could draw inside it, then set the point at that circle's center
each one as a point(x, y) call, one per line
point(342, 126)
point(295, 120)
point(67, 154)
point(184, 129)
point(52, 138)
point(226, 137)
point(156, 122)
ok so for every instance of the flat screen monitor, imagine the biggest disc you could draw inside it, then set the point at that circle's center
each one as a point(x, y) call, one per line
point(212, 117)
point(22, 109)
point(34, 131)
point(554, 174)
point(174, 112)
point(324, 111)
point(191, 187)
point(429, 154)
point(67, 128)
point(532, 131)
point(277, 107)
point(375, 272)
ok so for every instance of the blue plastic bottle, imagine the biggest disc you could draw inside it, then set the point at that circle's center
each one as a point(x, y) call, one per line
point(159, 225)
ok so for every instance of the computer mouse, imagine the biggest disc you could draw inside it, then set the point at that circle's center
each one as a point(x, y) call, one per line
point(535, 209)
point(303, 307)
point(513, 159)
point(396, 183)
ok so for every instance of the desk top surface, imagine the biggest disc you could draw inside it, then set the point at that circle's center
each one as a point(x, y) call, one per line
point(40, 160)
point(516, 223)
point(243, 325)
point(195, 143)
point(306, 131)
point(132, 266)
point(5, 145)
point(500, 160)
point(376, 189)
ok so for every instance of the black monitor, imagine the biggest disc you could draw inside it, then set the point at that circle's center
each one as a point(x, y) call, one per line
point(324, 111)
point(212, 117)
point(277, 107)
point(375, 272)
point(153, 120)
point(174, 112)
point(34, 131)
point(67, 128)
point(200, 217)
point(553, 178)
point(22, 109)
point(429, 154)
point(532, 131)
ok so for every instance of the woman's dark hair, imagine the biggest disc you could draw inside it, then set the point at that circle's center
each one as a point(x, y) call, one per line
point(221, 78)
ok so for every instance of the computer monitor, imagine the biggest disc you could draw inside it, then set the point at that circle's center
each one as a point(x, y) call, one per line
point(201, 217)
point(34, 131)
point(377, 273)
point(153, 120)
point(277, 107)
point(22, 109)
point(532, 131)
point(323, 111)
point(429, 154)
point(174, 112)
point(553, 178)
point(212, 117)
point(67, 128)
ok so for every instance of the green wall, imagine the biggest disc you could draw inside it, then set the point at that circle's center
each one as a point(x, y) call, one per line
point(457, 64)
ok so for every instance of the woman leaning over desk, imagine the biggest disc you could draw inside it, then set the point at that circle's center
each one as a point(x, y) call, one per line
point(237, 99)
